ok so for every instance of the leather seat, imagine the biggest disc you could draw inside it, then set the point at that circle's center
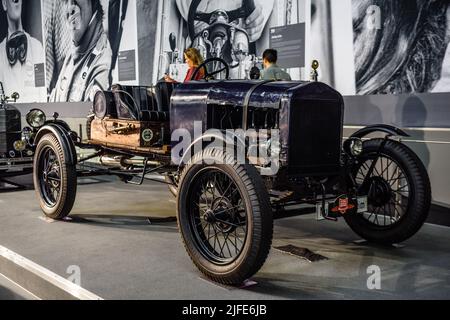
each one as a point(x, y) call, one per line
point(125, 103)
point(144, 103)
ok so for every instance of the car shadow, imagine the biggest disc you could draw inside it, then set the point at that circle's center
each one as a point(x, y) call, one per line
point(124, 222)
point(24, 183)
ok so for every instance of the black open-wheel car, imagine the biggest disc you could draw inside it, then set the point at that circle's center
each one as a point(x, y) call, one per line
point(226, 205)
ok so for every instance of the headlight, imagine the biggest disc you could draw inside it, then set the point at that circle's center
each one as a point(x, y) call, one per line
point(19, 145)
point(36, 118)
point(104, 104)
point(354, 146)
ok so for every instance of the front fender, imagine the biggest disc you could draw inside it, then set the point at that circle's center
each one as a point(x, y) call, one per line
point(207, 137)
point(59, 122)
point(390, 130)
point(63, 136)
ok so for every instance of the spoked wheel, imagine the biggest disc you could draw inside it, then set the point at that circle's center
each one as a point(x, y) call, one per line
point(225, 218)
point(398, 191)
point(219, 220)
point(54, 179)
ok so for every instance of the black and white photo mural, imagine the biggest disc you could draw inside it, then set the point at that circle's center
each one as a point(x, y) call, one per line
point(90, 44)
point(405, 50)
point(21, 50)
point(237, 31)
point(66, 50)
point(383, 46)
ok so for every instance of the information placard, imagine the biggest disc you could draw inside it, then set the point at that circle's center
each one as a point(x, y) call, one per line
point(289, 41)
point(127, 65)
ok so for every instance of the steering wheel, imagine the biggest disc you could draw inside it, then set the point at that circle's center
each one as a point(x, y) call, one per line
point(208, 75)
point(248, 6)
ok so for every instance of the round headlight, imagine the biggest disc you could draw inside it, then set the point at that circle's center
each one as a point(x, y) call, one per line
point(19, 145)
point(353, 146)
point(103, 104)
point(36, 118)
point(356, 146)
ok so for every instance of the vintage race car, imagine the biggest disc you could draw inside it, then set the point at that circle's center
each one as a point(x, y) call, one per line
point(16, 143)
point(236, 153)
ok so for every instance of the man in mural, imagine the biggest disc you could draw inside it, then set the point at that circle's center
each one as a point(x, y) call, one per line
point(19, 53)
point(87, 65)
point(232, 51)
point(254, 24)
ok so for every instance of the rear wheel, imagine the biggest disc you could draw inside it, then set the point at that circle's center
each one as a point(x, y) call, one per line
point(55, 180)
point(398, 191)
point(225, 217)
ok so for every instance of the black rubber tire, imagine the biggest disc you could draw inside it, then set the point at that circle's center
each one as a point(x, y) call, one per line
point(68, 176)
point(419, 200)
point(259, 214)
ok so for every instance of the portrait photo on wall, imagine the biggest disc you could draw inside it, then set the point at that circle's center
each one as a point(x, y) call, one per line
point(237, 31)
point(383, 46)
point(83, 44)
point(21, 50)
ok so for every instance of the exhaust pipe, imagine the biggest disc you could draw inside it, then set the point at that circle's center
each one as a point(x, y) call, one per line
point(122, 162)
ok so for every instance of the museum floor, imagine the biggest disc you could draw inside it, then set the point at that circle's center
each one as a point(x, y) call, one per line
point(130, 258)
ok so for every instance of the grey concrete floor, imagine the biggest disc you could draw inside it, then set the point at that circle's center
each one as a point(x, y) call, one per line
point(128, 258)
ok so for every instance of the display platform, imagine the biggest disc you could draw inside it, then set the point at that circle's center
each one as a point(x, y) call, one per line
point(117, 257)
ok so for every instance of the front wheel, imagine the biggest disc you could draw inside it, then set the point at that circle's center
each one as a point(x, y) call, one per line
point(225, 217)
point(55, 180)
point(398, 191)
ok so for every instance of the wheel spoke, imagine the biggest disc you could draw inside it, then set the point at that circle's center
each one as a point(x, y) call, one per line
point(386, 169)
point(229, 223)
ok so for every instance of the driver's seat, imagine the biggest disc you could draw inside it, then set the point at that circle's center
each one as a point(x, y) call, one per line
point(143, 103)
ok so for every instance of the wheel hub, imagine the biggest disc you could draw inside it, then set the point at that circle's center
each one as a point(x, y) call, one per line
point(380, 191)
point(220, 213)
point(209, 216)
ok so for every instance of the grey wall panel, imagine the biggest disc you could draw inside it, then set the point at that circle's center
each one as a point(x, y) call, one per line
point(429, 110)
point(65, 109)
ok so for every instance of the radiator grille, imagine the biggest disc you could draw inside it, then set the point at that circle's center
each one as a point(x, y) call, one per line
point(315, 137)
point(10, 127)
point(3, 144)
